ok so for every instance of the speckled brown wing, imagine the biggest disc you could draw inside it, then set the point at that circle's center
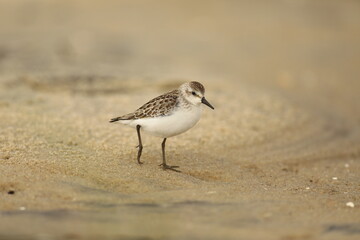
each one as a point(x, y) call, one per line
point(159, 106)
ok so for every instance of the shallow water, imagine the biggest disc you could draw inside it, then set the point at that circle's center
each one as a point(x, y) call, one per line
point(191, 220)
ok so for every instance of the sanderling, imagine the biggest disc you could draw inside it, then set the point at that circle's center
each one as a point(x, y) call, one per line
point(167, 115)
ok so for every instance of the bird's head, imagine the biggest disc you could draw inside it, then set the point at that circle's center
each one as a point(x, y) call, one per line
point(194, 93)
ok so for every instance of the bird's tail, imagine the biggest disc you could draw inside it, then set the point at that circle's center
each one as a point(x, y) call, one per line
point(115, 119)
point(130, 116)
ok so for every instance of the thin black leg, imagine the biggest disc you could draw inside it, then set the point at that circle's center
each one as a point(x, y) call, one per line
point(140, 144)
point(163, 151)
point(164, 165)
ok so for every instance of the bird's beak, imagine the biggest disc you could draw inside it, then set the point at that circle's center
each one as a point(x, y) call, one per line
point(204, 101)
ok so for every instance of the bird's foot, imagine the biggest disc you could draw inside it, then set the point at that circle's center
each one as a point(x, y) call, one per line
point(167, 167)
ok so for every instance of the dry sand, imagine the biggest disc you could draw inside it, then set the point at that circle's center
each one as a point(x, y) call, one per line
point(277, 159)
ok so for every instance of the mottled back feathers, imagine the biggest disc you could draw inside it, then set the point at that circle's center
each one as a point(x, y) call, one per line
point(160, 106)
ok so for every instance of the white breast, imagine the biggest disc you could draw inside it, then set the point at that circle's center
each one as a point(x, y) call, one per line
point(168, 126)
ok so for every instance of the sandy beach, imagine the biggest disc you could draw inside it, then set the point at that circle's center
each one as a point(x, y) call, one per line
point(279, 158)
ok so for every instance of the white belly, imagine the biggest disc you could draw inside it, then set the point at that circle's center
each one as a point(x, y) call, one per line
point(168, 126)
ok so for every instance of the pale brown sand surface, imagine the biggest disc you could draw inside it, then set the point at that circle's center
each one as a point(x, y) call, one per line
point(277, 159)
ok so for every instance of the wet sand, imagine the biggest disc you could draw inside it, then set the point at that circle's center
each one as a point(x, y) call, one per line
point(277, 159)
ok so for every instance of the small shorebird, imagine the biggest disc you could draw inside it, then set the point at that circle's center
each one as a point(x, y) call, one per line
point(167, 115)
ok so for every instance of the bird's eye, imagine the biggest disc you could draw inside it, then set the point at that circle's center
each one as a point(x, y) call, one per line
point(193, 93)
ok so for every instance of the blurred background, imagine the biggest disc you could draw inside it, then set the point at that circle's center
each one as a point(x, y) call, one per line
point(298, 45)
point(282, 42)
